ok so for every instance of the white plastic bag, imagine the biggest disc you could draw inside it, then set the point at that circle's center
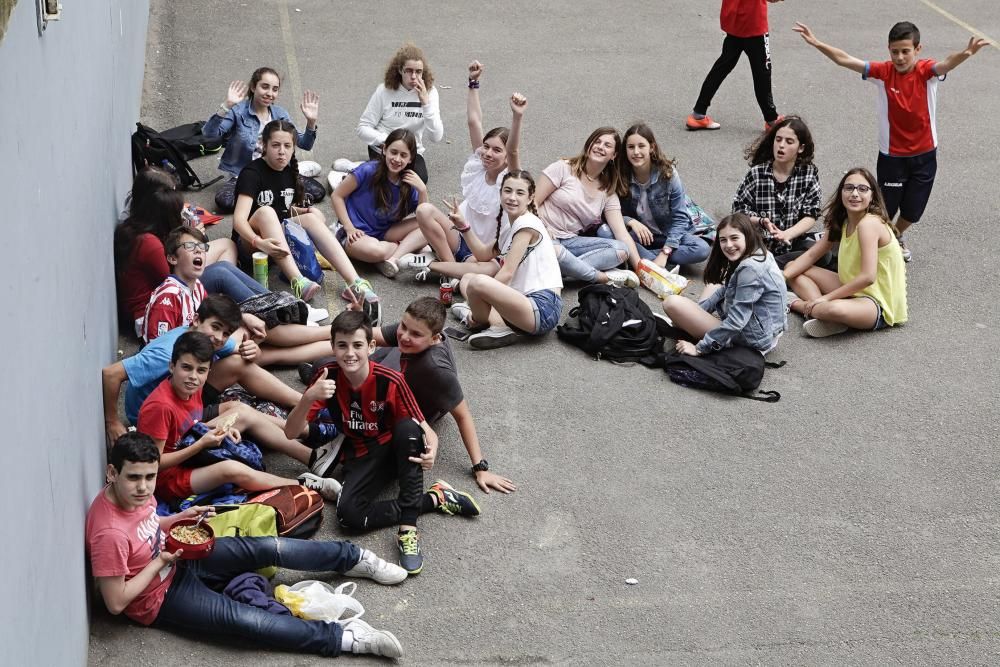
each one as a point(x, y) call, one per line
point(323, 602)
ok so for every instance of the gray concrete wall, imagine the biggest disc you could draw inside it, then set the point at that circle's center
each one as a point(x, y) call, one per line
point(69, 100)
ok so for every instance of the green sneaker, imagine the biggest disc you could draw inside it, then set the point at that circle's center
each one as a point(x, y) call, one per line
point(450, 501)
point(303, 288)
point(410, 558)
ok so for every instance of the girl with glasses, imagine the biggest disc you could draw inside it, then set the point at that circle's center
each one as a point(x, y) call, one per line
point(868, 291)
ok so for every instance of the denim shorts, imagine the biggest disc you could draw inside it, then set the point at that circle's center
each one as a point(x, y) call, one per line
point(463, 252)
point(548, 309)
point(880, 322)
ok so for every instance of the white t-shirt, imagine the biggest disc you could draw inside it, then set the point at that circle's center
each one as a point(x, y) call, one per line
point(539, 269)
point(390, 110)
point(481, 201)
point(570, 210)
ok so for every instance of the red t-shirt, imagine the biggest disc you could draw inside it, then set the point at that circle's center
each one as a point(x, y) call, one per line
point(122, 543)
point(164, 416)
point(173, 304)
point(744, 18)
point(367, 415)
point(147, 267)
point(907, 107)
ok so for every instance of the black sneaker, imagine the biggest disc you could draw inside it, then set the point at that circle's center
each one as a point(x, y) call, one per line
point(410, 558)
point(306, 372)
point(450, 501)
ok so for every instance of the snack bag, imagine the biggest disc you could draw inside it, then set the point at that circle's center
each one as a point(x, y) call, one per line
point(659, 281)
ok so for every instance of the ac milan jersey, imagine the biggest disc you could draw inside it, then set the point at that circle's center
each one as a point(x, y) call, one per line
point(367, 415)
point(907, 107)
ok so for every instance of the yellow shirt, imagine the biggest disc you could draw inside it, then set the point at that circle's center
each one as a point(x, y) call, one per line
point(889, 288)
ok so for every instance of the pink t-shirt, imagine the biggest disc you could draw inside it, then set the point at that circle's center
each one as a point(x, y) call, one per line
point(570, 210)
point(907, 107)
point(122, 543)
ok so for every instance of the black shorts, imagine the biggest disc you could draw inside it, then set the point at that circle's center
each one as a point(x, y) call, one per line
point(906, 183)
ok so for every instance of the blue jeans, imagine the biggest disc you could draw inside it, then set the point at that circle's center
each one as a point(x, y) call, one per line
point(584, 256)
point(192, 608)
point(691, 249)
point(226, 278)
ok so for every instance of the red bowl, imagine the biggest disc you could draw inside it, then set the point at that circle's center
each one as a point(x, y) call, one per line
point(191, 551)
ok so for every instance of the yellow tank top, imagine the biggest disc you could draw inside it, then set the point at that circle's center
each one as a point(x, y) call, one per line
point(889, 288)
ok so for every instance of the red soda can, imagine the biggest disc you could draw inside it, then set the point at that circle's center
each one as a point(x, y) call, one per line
point(446, 293)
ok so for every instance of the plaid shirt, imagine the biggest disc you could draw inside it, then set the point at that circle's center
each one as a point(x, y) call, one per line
point(757, 196)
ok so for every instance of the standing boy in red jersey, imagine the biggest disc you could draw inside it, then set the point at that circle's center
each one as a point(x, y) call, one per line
point(907, 115)
point(745, 25)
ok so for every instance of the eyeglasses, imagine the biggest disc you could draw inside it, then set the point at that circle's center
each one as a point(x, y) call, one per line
point(413, 72)
point(191, 246)
point(860, 189)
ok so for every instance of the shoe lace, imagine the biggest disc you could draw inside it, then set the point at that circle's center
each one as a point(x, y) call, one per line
point(409, 543)
point(422, 276)
point(449, 501)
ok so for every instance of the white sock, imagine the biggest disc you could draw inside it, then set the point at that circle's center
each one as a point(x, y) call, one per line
point(347, 642)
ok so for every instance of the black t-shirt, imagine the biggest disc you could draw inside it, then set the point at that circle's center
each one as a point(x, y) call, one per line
point(432, 375)
point(267, 187)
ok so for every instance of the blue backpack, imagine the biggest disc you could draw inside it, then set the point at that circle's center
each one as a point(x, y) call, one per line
point(243, 451)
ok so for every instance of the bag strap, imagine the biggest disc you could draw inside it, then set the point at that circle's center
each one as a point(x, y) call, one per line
point(763, 396)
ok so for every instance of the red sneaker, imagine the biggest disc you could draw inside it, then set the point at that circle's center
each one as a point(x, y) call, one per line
point(768, 126)
point(705, 123)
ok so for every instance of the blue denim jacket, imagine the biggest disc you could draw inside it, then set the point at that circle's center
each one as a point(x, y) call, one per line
point(242, 127)
point(666, 203)
point(751, 305)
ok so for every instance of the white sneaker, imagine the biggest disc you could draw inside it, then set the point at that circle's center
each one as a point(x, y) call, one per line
point(416, 261)
point(821, 329)
point(326, 456)
point(309, 169)
point(327, 487)
point(372, 567)
point(345, 165)
point(622, 278)
point(461, 311)
point(388, 268)
point(369, 640)
point(493, 337)
point(334, 178)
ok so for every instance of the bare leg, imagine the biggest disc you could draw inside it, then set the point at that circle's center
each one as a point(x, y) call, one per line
point(233, 472)
point(227, 372)
point(812, 284)
point(221, 250)
point(265, 432)
point(437, 229)
point(370, 249)
point(265, 222)
point(407, 236)
point(290, 335)
point(459, 269)
point(327, 244)
point(289, 356)
point(902, 224)
point(689, 316)
point(855, 313)
point(492, 301)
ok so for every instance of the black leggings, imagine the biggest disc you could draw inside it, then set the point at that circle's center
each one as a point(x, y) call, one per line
point(759, 53)
point(418, 166)
point(365, 477)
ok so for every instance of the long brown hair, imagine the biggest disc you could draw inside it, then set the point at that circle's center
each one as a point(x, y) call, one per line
point(719, 267)
point(393, 75)
point(835, 213)
point(609, 177)
point(380, 179)
point(762, 150)
point(661, 162)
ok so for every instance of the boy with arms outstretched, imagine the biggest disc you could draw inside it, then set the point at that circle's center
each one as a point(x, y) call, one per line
point(385, 437)
point(125, 543)
point(907, 112)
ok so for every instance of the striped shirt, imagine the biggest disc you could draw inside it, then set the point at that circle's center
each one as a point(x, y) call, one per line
point(173, 304)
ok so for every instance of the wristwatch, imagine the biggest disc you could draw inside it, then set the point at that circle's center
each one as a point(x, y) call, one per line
point(482, 465)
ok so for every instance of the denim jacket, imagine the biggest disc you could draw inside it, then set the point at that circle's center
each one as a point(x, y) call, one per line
point(666, 203)
point(241, 127)
point(751, 305)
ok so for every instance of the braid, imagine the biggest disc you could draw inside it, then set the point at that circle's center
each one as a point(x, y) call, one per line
point(299, 195)
point(496, 241)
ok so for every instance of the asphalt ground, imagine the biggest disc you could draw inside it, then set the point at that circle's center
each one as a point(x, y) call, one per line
point(853, 522)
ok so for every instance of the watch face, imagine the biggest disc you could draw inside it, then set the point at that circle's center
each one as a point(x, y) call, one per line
point(482, 465)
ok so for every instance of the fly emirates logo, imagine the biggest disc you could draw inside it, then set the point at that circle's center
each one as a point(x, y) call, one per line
point(357, 422)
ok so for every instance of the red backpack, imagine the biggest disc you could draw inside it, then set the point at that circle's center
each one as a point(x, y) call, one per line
point(298, 510)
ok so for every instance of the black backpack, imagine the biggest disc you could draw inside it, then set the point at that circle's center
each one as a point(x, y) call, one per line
point(736, 370)
point(614, 323)
point(169, 150)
